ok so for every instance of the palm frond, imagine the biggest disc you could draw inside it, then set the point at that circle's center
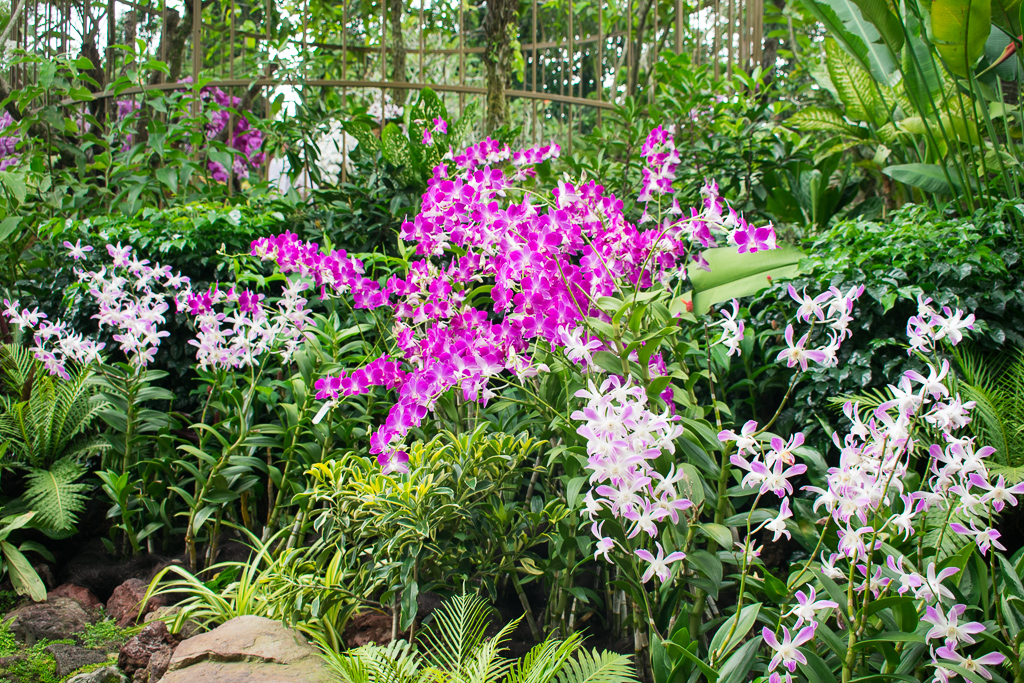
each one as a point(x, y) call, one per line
point(996, 385)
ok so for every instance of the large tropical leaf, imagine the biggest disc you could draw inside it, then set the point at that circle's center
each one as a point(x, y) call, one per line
point(836, 29)
point(825, 120)
point(959, 31)
point(735, 275)
point(855, 88)
point(928, 177)
point(1006, 15)
point(874, 50)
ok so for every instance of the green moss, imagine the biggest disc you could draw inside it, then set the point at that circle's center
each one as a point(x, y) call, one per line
point(36, 666)
point(104, 632)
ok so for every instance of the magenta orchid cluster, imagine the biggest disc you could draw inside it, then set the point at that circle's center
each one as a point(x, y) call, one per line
point(253, 328)
point(438, 125)
point(132, 297)
point(549, 264)
point(244, 139)
point(624, 437)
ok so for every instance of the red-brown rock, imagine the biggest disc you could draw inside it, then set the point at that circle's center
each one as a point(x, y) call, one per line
point(83, 596)
point(137, 653)
point(125, 604)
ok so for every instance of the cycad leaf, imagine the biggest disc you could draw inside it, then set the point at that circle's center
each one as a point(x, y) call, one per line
point(597, 667)
point(457, 631)
point(55, 496)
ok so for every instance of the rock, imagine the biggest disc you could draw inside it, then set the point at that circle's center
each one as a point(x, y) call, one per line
point(55, 619)
point(166, 614)
point(136, 653)
point(247, 649)
point(71, 657)
point(125, 603)
point(82, 595)
point(106, 674)
point(158, 664)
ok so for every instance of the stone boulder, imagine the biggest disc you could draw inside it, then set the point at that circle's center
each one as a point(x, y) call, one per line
point(247, 649)
point(56, 619)
point(105, 674)
point(167, 614)
point(141, 648)
point(83, 595)
point(71, 657)
point(125, 603)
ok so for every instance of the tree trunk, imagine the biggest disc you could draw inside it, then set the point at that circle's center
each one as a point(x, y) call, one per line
point(499, 28)
point(770, 53)
point(397, 50)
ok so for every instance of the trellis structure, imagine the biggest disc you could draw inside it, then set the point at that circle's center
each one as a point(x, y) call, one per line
point(577, 58)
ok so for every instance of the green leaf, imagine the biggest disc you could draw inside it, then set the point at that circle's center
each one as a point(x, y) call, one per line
point(853, 44)
point(711, 674)
point(395, 146)
point(55, 495)
point(1006, 15)
point(816, 669)
point(9, 225)
point(12, 523)
point(735, 275)
point(854, 86)
point(876, 58)
point(24, 578)
point(736, 668)
point(707, 564)
point(928, 177)
point(718, 533)
point(169, 177)
point(723, 642)
point(15, 184)
point(826, 120)
point(959, 31)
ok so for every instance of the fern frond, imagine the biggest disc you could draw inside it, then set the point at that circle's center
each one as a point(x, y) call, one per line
point(597, 667)
point(55, 496)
